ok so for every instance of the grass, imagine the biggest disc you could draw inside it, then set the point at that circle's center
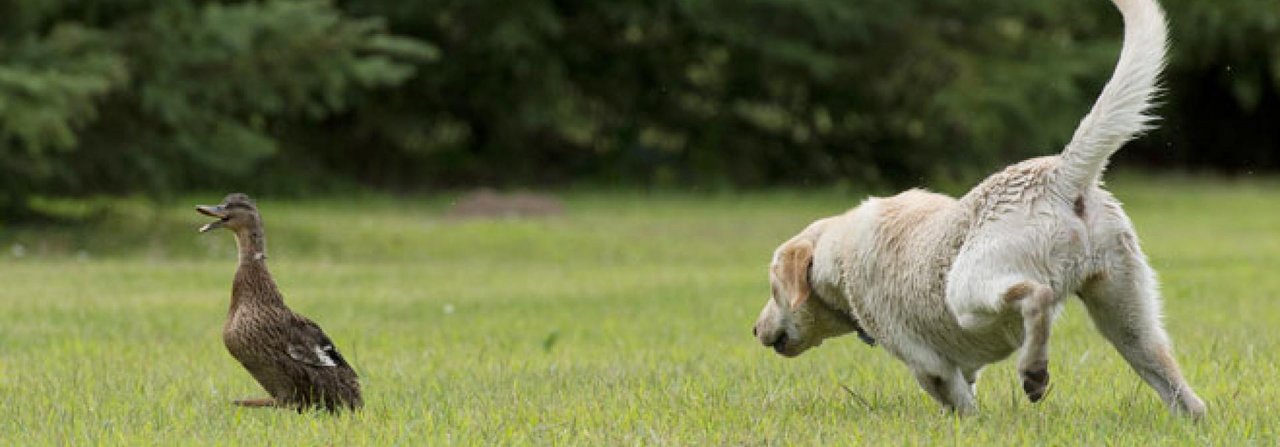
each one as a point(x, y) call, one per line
point(625, 321)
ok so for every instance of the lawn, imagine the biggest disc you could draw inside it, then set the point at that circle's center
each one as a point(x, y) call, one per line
point(625, 320)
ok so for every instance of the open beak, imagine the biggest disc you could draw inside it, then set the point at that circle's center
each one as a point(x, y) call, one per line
point(213, 211)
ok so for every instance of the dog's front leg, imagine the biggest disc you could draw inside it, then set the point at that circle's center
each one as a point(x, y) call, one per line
point(950, 389)
point(971, 377)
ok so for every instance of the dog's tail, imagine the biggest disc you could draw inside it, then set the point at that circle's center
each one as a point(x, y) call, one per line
point(1120, 112)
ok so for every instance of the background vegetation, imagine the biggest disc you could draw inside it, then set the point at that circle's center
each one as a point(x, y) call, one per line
point(624, 321)
point(295, 96)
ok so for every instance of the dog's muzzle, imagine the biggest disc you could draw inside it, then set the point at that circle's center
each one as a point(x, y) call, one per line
point(780, 345)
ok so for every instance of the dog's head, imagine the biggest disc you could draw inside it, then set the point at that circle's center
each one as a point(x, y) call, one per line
point(792, 321)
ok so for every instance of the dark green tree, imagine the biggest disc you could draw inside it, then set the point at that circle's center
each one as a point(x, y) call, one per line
point(127, 96)
point(118, 97)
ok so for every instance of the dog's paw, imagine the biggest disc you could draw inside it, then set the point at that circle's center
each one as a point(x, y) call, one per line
point(1035, 383)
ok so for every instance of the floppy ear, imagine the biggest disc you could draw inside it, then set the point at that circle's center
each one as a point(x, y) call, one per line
point(793, 269)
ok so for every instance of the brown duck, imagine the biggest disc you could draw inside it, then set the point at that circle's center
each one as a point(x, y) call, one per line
point(287, 353)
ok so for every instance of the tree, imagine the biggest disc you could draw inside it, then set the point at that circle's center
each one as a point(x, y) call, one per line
point(126, 96)
point(158, 97)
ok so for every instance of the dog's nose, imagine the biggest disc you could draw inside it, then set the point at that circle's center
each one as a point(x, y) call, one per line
point(780, 345)
point(755, 331)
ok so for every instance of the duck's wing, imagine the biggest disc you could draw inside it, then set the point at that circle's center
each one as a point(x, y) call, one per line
point(309, 344)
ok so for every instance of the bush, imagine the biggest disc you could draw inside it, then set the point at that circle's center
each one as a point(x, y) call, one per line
point(132, 96)
point(125, 96)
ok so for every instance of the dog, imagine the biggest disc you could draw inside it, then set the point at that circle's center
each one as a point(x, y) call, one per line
point(949, 285)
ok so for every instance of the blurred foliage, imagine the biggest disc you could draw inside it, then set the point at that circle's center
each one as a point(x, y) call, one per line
point(124, 96)
point(161, 96)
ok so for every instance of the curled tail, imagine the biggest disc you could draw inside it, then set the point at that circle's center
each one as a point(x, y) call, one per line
point(1120, 112)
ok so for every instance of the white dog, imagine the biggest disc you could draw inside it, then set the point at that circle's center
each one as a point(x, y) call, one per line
point(949, 286)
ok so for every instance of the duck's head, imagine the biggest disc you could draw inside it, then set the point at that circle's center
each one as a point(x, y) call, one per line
point(236, 212)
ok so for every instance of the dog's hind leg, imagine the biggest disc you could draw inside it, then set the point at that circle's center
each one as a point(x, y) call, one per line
point(1125, 306)
point(979, 303)
point(1035, 302)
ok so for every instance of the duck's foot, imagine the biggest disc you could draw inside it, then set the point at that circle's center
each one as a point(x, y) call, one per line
point(255, 403)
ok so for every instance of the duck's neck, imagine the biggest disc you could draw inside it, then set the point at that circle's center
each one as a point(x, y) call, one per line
point(253, 283)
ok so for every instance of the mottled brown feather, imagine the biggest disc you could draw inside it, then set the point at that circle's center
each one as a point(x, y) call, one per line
point(260, 328)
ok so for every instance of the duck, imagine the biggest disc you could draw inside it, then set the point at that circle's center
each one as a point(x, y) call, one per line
point(287, 353)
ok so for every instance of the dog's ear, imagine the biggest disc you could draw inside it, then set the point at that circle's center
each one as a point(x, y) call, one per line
point(793, 265)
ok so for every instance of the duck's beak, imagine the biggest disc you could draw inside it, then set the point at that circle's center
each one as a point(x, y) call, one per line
point(213, 211)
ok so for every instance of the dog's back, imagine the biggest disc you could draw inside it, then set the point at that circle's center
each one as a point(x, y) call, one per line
point(895, 260)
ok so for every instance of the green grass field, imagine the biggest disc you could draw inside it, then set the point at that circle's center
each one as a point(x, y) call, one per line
point(627, 320)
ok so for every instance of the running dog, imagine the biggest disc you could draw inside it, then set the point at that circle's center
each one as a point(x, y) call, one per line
point(949, 286)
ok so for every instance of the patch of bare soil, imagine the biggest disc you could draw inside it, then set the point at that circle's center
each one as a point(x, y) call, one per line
point(487, 203)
